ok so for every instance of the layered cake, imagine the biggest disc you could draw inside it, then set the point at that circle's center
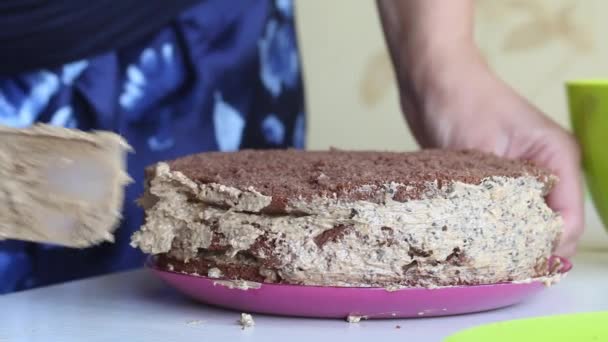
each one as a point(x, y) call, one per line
point(337, 218)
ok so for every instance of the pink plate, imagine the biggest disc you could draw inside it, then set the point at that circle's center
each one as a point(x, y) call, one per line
point(319, 301)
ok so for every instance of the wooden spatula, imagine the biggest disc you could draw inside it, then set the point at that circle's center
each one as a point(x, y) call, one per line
point(61, 186)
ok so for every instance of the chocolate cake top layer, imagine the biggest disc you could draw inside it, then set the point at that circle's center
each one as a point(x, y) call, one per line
point(290, 174)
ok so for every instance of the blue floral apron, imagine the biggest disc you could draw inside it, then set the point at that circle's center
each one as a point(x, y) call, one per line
point(224, 76)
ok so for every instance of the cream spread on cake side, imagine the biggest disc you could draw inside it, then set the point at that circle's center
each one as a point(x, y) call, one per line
point(35, 197)
point(498, 230)
point(214, 273)
point(178, 211)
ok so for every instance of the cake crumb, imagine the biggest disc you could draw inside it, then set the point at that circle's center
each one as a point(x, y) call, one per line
point(397, 327)
point(195, 322)
point(170, 267)
point(214, 273)
point(550, 281)
point(354, 318)
point(393, 287)
point(555, 266)
point(238, 284)
point(246, 320)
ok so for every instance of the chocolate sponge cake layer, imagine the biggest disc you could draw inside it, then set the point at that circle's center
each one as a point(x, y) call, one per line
point(336, 218)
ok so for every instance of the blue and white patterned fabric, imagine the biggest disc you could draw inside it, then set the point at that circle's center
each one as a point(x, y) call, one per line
point(222, 76)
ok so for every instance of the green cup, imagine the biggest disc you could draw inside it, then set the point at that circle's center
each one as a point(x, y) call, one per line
point(588, 104)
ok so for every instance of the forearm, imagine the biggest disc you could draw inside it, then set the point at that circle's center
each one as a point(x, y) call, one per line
point(432, 47)
point(425, 36)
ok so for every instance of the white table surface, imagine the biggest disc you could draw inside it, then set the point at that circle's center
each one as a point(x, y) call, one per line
point(135, 306)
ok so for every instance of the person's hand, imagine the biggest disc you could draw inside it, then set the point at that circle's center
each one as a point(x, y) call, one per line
point(463, 105)
point(451, 99)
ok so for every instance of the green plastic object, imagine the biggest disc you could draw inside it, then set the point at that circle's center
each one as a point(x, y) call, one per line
point(581, 327)
point(588, 105)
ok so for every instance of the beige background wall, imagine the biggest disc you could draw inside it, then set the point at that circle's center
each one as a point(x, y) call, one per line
point(533, 44)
